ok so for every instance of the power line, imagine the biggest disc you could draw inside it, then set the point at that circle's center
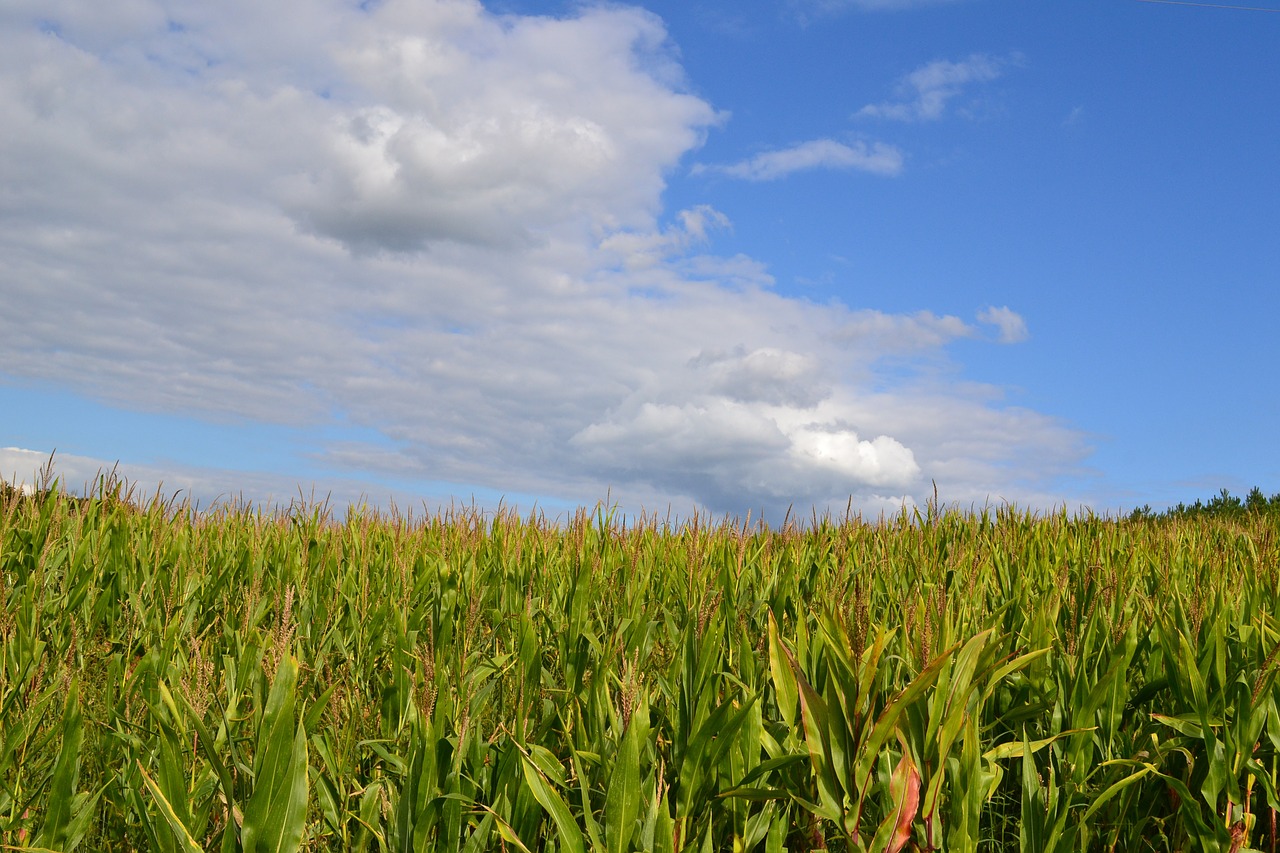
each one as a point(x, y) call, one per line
point(1211, 5)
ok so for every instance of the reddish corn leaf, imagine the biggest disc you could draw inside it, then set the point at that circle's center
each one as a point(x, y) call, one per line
point(905, 787)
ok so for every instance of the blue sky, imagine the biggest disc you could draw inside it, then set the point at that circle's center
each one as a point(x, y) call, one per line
point(726, 256)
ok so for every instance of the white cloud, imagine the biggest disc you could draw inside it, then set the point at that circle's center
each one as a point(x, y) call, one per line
point(1012, 328)
point(26, 469)
point(78, 474)
point(883, 461)
point(925, 93)
point(727, 451)
point(205, 487)
point(877, 158)
point(492, 131)
point(446, 227)
point(902, 333)
point(644, 249)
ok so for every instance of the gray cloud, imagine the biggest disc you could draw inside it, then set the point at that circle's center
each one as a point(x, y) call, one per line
point(766, 375)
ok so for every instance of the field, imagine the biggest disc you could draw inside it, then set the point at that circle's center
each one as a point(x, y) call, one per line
point(988, 680)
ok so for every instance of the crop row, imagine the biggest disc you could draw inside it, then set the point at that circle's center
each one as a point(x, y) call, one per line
point(248, 680)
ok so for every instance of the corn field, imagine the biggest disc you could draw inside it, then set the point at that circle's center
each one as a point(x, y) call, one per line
point(244, 680)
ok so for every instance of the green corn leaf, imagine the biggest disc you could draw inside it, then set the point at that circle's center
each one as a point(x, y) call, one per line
point(478, 841)
point(817, 738)
point(504, 829)
point(84, 814)
point(622, 800)
point(66, 773)
point(1217, 776)
point(764, 768)
point(871, 665)
point(760, 795)
point(569, 836)
point(777, 836)
point(954, 708)
point(1185, 724)
point(370, 826)
point(784, 682)
point(584, 787)
point(1019, 748)
point(1031, 826)
point(172, 776)
point(707, 748)
point(658, 834)
point(166, 702)
point(1114, 789)
point(1191, 670)
point(886, 724)
point(311, 720)
point(758, 826)
point(1012, 666)
point(275, 816)
point(208, 746)
point(186, 843)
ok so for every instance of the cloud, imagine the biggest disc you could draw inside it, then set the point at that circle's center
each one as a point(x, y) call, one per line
point(925, 92)
point(492, 131)
point(79, 474)
point(206, 487)
point(902, 333)
point(1012, 328)
point(877, 158)
point(693, 227)
point(765, 375)
point(445, 228)
point(724, 450)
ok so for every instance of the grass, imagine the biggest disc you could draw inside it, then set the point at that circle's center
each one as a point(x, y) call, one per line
point(244, 680)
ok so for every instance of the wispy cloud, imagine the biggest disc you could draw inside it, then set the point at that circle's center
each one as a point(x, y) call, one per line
point(924, 94)
point(877, 158)
point(1010, 325)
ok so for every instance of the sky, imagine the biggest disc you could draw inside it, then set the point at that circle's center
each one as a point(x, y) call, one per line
point(719, 256)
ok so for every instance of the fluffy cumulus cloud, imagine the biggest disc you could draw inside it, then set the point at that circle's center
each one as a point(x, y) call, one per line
point(924, 94)
point(445, 227)
point(489, 131)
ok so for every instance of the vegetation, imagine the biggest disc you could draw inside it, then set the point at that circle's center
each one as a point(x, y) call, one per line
point(1222, 505)
point(244, 680)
